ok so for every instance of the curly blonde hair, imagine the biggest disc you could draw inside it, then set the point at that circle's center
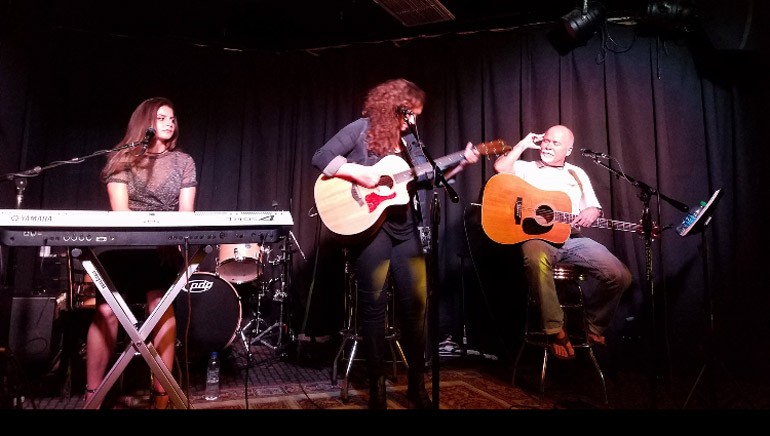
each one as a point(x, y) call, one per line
point(381, 106)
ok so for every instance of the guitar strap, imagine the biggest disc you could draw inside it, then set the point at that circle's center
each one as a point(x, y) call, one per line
point(575, 232)
point(577, 179)
point(417, 156)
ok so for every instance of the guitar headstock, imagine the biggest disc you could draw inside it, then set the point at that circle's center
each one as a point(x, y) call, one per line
point(496, 147)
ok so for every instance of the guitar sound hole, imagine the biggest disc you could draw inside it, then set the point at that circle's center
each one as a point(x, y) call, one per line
point(544, 216)
point(385, 181)
point(530, 226)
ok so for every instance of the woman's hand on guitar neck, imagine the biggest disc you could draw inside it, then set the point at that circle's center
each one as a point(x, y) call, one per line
point(471, 156)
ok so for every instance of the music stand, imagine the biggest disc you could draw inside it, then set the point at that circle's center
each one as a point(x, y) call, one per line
point(703, 219)
point(699, 226)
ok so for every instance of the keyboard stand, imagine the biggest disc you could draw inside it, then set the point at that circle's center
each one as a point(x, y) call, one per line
point(138, 334)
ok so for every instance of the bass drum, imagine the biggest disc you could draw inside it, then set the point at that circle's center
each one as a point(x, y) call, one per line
point(213, 308)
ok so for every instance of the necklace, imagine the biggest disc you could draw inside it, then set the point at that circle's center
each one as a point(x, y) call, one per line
point(152, 153)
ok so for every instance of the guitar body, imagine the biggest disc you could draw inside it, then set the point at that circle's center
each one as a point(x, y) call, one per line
point(514, 211)
point(347, 208)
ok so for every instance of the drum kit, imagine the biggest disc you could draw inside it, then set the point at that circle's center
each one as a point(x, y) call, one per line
point(249, 273)
point(209, 310)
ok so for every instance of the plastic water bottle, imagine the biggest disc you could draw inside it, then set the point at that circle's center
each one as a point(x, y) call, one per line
point(212, 377)
point(690, 218)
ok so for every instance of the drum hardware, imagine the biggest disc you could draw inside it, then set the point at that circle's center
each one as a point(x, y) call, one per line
point(256, 324)
point(280, 329)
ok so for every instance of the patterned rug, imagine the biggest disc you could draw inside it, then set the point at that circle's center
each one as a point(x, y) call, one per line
point(466, 389)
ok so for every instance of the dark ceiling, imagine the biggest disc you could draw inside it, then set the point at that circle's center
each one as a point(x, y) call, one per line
point(282, 24)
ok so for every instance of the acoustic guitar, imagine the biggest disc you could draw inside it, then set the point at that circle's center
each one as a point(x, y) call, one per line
point(347, 208)
point(513, 211)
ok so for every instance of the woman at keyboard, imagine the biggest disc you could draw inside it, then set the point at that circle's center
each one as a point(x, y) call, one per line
point(151, 174)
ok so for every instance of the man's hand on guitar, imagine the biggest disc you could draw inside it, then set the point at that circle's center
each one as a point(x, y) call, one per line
point(587, 217)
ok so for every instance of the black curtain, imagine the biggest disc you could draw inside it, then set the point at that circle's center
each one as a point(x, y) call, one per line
point(674, 113)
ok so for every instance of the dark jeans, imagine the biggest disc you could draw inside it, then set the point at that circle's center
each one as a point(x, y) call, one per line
point(402, 263)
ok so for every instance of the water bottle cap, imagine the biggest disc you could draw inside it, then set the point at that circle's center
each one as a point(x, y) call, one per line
point(214, 354)
point(702, 203)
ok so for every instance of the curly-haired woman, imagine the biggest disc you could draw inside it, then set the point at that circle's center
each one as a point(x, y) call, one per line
point(393, 251)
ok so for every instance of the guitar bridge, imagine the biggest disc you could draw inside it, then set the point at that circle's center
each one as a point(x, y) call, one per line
point(517, 211)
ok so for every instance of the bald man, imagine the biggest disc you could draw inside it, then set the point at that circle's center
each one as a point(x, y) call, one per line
point(551, 172)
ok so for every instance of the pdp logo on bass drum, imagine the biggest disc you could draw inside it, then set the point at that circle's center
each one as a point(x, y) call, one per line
point(199, 286)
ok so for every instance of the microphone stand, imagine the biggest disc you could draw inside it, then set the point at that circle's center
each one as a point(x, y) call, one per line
point(432, 258)
point(645, 193)
point(8, 277)
point(20, 177)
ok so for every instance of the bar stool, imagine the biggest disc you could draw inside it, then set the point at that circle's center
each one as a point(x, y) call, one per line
point(567, 278)
point(351, 333)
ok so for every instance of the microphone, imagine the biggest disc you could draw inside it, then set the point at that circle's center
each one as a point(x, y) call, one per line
point(593, 154)
point(148, 135)
point(405, 111)
point(407, 114)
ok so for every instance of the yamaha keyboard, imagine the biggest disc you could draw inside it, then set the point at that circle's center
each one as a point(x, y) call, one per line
point(38, 227)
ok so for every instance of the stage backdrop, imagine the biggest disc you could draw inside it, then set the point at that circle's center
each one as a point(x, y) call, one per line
point(680, 118)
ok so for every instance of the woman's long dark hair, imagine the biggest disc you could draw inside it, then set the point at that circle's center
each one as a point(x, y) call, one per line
point(144, 116)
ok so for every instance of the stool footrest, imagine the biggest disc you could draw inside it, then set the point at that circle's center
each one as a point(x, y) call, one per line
point(563, 275)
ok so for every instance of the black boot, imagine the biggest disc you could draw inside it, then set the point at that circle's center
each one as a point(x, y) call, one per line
point(377, 399)
point(419, 399)
point(416, 394)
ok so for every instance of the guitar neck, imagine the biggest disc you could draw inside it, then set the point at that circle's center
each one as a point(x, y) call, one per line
point(496, 146)
point(442, 162)
point(601, 223)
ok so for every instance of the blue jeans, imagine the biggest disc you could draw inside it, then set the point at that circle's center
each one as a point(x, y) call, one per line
point(613, 277)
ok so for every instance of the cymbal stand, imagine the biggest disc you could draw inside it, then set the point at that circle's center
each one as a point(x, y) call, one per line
point(280, 295)
point(252, 328)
